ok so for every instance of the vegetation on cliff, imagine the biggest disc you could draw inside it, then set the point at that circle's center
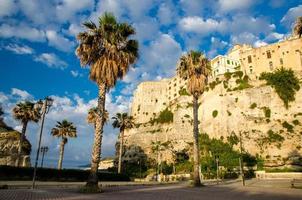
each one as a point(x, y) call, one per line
point(285, 83)
point(165, 116)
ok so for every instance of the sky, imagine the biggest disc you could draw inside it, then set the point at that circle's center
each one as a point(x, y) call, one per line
point(38, 42)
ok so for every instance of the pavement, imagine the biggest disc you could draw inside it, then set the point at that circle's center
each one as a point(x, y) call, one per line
point(231, 191)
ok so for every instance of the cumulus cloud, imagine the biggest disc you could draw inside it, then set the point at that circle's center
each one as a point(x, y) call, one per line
point(76, 73)
point(18, 49)
point(291, 15)
point(199, 25)
point(67, 9)
point(58, 41)
point(7, 8)
point(24, 95)
point(22, 31)
point(231, 5)
point(167, 13)
point(51, 60)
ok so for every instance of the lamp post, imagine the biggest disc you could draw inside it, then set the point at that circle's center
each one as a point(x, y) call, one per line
point(44, 150)
point(45, 108)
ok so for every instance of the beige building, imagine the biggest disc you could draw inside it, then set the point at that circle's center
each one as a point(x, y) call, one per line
point(154, 96)
point(254, 61)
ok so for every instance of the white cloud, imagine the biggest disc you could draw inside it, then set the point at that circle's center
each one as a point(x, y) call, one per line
point(291, 15)
point(58, 41)
point(193, 7)
point(259, 43)
point(231, 5)
point(24, 95)
point(67, 9)
point(17, 49)
point(51, 60)
point(199, 25)
point(76, 73)
point(272, 37)
point(167, 13)
point(22, 31)
point(7, 8)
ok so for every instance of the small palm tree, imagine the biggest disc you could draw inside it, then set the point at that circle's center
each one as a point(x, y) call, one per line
point(25, 112)
point(63, 130)
point(298, 27)
point(109, 51)
point(92, 116)
point(195, 68)
point(122, 121)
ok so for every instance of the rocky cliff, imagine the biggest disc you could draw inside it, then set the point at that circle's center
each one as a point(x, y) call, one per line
point(231, 106)
point(9, 141)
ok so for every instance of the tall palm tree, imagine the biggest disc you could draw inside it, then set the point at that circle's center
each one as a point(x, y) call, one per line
point(195, 68)
point(109, 52)
point(92, 115)
point(298, 27)
point(122, 121)
point(25, 112)
point(63, 130)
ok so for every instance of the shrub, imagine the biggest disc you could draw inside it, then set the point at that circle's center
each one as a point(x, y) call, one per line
point(285, 83)
point(288, 126)
point(253, 105)
point(215, 113)
point(296, 122)
point(165, 116)
point(229, 113)
point(183, 92)
point(267, 112)
point(47, 174)
point(228, 75)
point(274, 137)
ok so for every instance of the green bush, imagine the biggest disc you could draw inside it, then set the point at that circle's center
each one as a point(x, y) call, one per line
point(285, 83)
point(47, 174)
point(183, 92)
point(267, 112)
point(165, 116)
point(228, 75)
point(296, 122)
point(288, 126)
point(215, 113)
point(253, 105)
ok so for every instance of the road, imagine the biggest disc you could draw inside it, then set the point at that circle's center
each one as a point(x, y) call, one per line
point(158, 192)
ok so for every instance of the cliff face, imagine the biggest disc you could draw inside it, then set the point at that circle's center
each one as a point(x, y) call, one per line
point(9, 141)
point(267, 127)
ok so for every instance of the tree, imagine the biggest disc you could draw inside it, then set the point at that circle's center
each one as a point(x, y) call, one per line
point(298, 27)
point(25, 112)
point(63, 130)
point(92, 115)
point(109, 52)
point(122, 121)
point(195, 68)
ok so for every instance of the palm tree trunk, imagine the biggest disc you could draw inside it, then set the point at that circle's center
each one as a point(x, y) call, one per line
point(119, 170)
point(22, 137)
point(196, 143)
point(98, 135)
point(62, 146)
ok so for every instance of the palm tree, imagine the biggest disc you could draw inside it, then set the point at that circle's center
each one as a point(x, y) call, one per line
point(25, 112)
point(122, 121)
point(195, 68)
point(298, 27)
point(109, 52)
point(92, 116)
point(63, 130)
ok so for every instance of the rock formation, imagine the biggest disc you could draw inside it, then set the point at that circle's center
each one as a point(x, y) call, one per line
point(9, 141)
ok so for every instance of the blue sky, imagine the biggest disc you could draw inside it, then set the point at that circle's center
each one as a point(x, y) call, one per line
point(37, 44)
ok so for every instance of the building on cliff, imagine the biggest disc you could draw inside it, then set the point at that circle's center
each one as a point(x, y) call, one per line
point(232, 105)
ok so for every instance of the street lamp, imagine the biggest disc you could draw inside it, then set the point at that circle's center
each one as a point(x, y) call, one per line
point(44, 149)
point(45, 108)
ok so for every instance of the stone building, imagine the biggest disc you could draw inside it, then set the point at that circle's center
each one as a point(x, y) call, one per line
point(233, 106)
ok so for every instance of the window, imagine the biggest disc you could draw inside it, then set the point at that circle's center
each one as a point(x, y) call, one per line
point(281, 61)
point(251, 69)
point(268, 54)
point(271, 65)
point(249, 59)
point(228, 62)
